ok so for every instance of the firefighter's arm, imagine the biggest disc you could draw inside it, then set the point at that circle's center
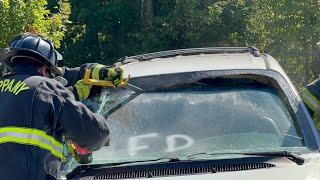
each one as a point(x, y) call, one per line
point(99, 71)
point(75, 77)
point(79, 124)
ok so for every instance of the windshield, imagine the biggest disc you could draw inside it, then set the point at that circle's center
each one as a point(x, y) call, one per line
point(191, 119)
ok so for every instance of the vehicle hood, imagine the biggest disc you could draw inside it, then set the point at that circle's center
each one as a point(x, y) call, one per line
point(284, 170)
point(309, 171)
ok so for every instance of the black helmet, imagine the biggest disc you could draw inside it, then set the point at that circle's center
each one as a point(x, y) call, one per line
point(33, 48)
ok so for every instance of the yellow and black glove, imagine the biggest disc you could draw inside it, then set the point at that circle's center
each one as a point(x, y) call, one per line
point(81, 155)
point(83, 90)
point(115, 75)
point(102, 72)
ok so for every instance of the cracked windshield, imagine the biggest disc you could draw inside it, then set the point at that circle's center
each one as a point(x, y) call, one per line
point(179, 122)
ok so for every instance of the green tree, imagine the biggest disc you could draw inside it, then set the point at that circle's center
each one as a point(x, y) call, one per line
point(18, 16)
point(288, 30)
point(103, 31)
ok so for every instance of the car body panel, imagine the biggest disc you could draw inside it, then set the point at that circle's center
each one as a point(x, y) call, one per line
point(202, 62)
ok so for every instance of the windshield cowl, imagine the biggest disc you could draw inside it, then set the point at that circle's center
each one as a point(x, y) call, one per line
point(170, 165)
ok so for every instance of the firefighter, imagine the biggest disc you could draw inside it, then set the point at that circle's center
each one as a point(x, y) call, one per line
point(311, 98)
point(37, 112)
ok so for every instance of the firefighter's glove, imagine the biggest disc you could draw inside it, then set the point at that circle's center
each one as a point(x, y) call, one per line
point(83, 90)
point(99, 72)
point(115, 75)
point(81, 155)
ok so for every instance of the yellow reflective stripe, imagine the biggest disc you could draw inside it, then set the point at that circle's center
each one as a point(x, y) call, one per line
point(310, 100)
point(33, 142)
point(32, 131)
point(30, 136)
point(96, 71)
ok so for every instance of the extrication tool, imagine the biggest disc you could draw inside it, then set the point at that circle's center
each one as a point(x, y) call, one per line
point(102, 83)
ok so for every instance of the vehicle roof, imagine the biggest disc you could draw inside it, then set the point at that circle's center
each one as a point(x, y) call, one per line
point(162, 63)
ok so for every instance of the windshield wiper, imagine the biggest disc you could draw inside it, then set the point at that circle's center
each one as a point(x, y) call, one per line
point(289, 155)
point(143, 161)
point(86, 167)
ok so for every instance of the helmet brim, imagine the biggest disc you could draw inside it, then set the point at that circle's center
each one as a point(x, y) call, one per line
point(7, 54)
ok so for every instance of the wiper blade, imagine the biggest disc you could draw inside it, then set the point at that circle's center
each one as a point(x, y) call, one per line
point(290, 155)
point(142, 161)
point(86, 167)
point(134, 88)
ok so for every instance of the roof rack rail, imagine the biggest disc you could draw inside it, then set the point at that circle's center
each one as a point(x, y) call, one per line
point(192, 51)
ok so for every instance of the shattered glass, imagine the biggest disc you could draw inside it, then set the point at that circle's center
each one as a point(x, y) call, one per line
point(188, 120)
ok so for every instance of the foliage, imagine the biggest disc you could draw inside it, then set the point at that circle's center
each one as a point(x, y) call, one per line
point(289, 30)
point(105, 30)
point(18, 16)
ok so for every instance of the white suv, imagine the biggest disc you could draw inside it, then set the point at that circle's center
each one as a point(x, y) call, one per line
point(206, 113)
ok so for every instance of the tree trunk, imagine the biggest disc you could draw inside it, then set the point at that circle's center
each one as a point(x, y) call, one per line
point(147, 13)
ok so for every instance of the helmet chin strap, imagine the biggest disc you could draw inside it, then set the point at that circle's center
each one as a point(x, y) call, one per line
point(45, 72)
point(51, 75)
